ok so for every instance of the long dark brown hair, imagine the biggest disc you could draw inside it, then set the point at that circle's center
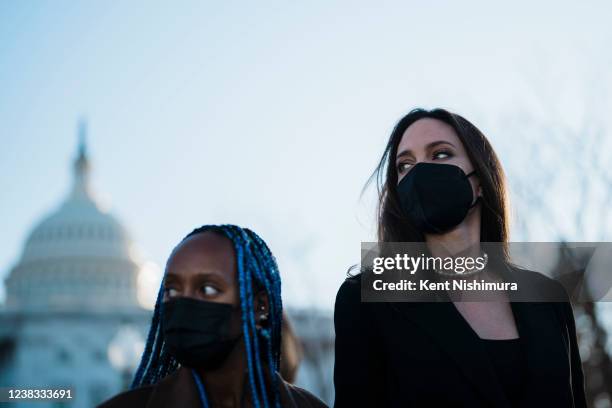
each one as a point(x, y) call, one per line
point(393, 226)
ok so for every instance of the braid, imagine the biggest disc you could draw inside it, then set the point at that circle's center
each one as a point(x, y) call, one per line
point(257, 269)
point(248, 315)
point(145, 374)
point(263, 264)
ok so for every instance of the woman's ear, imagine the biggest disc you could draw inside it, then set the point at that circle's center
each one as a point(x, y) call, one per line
point(261, 309)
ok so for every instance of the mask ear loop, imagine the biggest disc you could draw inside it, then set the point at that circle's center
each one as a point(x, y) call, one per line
point(475, 202)
point(477, 197)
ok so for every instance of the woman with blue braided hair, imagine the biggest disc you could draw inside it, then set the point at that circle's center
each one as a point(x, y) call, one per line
point(215, 336)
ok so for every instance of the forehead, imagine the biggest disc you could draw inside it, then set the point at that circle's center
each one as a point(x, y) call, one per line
point(207, 252)
point(427, 130)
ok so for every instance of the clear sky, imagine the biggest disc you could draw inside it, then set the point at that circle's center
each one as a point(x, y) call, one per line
point(267, 114)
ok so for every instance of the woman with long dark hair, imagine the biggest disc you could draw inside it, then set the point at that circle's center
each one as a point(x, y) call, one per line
point(441, 184)
point(215, 336)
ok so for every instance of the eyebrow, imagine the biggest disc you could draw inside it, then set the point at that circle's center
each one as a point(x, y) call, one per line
point(429, 146)
point(170, 276)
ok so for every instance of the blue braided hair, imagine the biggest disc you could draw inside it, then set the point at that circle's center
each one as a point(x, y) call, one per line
point(257, 269)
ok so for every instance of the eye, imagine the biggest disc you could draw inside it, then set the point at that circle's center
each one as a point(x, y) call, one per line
point(170, 292)
point(442, 154)
point(209, 290)
point(402, 167)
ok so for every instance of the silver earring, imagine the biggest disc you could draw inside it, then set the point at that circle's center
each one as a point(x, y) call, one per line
point(263, 316)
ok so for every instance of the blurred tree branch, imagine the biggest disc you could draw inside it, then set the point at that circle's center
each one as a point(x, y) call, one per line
point(562, 187)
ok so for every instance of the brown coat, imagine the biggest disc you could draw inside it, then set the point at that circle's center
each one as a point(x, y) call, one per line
point(179, 390)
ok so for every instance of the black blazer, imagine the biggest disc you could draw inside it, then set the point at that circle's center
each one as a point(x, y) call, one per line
point(426, 355)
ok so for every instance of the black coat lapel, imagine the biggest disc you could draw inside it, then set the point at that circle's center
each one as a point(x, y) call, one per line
point(547, 363)
point(445, 325)
point(544, 343)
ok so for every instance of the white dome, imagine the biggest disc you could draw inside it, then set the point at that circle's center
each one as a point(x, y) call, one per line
point(78, 228)
point(78, 256)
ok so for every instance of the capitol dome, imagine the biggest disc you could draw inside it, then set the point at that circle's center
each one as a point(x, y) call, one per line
point(79, 256)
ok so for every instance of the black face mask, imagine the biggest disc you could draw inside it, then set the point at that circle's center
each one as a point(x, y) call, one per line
point(197, 332)
point(436, 197)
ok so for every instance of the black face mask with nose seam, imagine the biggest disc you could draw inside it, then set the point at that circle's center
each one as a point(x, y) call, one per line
point(436, 197)
point(197, 332)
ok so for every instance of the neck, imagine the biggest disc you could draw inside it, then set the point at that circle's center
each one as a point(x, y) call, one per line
point(224, 388)
point(463, 240)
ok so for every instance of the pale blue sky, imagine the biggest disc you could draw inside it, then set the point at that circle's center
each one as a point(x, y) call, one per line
point(266, 114)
